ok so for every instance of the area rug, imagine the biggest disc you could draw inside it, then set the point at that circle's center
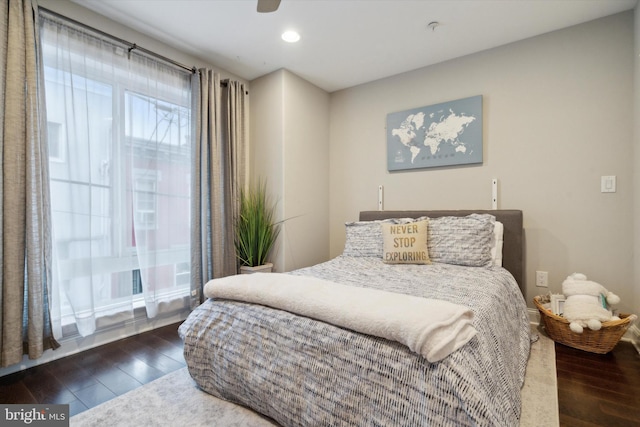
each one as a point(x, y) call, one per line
point(175, 400)
point(540, 390)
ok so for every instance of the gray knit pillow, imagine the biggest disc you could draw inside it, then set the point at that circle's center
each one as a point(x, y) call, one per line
point(461, 240)
point(364, 238)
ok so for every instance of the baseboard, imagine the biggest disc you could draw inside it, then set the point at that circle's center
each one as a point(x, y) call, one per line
point(634, 336)
point(534, 316)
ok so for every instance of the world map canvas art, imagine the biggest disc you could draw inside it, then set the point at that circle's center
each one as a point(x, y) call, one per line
point(443, 134)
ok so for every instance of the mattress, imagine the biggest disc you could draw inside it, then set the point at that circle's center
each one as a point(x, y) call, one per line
point(303, 372)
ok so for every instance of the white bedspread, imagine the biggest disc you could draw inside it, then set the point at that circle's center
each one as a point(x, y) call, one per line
point(431, 328)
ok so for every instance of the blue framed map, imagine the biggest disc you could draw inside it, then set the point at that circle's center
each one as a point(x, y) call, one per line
point(443, 134)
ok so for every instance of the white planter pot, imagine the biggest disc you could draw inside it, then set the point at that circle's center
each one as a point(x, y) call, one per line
point(265, 268)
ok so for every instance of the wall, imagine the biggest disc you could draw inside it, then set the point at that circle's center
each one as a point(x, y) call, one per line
point(636, 169)
point(557, 116)
point(289, 147)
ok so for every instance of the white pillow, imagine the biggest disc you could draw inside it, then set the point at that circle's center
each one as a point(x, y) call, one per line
point(496, 243)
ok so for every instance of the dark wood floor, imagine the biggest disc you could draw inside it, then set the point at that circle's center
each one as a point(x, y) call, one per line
point(593, 390)
point(598, 389)
point(94, 376)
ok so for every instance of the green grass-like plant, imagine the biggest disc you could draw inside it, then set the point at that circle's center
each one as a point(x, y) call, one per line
point(255, 231)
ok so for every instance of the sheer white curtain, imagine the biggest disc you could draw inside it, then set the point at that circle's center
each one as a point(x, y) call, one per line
point(119, 127)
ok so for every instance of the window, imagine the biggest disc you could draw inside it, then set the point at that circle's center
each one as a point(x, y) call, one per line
point(183, 274)
point(55, 138)
point(119, 174)
point(145, 199)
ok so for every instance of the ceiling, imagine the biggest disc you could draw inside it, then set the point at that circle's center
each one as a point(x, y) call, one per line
point(345, 42)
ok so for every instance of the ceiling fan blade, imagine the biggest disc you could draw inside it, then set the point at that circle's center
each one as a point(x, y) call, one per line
point(266, 6)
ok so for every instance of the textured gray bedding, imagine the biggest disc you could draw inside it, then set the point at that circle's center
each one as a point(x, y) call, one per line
point(302, 372)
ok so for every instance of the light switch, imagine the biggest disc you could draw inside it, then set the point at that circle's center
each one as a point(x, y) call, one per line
point(608, 184)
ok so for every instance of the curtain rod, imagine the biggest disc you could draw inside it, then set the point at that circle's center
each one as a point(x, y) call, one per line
point(132, 46)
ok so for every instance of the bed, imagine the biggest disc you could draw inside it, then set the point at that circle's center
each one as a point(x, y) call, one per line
point(301, 371)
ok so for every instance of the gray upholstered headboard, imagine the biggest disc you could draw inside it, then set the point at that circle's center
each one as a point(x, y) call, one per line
point(512, 250)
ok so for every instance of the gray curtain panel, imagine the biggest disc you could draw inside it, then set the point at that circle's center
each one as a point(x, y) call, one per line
point(235, 138)
point(219, 169)
point(25, 243)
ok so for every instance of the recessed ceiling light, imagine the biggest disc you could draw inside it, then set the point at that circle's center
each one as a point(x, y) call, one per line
point(290, 36)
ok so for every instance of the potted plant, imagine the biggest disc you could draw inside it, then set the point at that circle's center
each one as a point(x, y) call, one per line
point(255, 231)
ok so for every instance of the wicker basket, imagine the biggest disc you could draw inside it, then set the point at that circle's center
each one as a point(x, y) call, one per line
point(601, 341)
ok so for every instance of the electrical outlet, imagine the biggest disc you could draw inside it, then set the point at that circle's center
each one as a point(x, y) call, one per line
point(542, 279)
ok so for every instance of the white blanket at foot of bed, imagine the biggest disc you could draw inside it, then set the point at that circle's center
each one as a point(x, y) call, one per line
point(431, 328)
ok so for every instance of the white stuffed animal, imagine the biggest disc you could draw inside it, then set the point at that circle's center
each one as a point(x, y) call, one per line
point(586, 303)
